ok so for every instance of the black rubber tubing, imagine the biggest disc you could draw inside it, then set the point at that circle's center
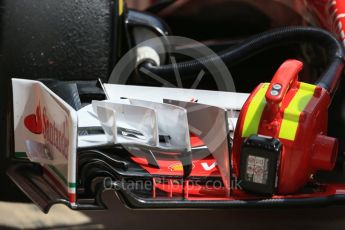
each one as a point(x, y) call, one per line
point(328, 80)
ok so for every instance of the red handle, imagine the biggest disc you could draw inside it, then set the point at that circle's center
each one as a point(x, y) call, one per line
point(285, 77)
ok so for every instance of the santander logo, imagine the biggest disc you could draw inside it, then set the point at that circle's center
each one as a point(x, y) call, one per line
point(33, 122)
point(55, 136)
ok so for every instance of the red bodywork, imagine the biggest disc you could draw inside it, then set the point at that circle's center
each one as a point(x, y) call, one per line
point(330, 15)
point(311, 150)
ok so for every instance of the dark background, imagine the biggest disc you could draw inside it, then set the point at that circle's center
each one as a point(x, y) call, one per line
point(118, 217)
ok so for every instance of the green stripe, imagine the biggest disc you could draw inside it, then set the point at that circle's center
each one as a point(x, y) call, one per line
point(20, 155)
point(55, 170)
point(72, 185)
point(59, 174)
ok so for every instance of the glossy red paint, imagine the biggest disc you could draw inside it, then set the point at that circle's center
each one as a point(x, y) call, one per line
point(172, 167)
point(311, 150)
point(329, 14)
point(33, 122)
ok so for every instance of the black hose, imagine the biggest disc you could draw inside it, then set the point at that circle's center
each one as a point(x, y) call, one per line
point(329, 79)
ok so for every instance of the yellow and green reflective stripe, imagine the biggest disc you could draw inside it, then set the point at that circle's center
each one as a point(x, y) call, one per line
point(293, 112)
point(254, 112)
point(121, 7)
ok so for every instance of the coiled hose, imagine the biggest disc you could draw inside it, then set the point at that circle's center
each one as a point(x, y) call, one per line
point(328, 80)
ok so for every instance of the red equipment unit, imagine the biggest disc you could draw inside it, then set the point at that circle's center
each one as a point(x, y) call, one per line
point(292, 113)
